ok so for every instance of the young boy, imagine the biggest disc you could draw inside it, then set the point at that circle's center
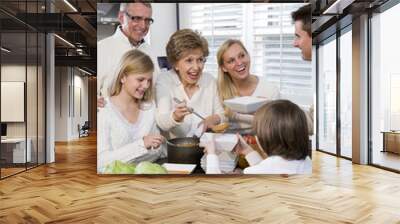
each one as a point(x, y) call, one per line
point(282, 133)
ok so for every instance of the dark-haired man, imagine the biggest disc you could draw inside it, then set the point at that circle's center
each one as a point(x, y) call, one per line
point(303, 40)
point(302, 26)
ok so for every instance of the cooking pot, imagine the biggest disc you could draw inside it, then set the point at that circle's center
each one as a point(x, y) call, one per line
point(184, 150)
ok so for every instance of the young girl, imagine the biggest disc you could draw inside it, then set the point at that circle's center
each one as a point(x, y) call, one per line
point(282, 133)
point(127, 129)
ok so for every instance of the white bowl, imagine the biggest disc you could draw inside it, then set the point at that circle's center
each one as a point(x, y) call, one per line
point(245, 104)
point(227, 162)
point(223, 142)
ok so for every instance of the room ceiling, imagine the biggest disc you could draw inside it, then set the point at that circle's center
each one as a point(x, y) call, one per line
point(325, 24)
point(76, 27)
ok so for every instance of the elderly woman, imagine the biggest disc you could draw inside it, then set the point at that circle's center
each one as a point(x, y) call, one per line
point(186, 83)
point(234, 79)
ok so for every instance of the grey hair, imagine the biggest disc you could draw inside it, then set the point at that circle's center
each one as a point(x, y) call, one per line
point(123, 6)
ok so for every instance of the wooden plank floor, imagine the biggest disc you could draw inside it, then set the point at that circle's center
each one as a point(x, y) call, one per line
point(70, 191)
point(10, 171)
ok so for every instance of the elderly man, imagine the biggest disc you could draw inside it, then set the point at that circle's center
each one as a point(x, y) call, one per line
point(135, 20)
point(302, 26)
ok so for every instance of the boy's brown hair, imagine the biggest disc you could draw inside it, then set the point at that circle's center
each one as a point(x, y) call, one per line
point(281, 128)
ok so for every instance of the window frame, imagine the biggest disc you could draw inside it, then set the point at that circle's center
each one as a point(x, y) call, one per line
point(378, 10)
point(333, 37)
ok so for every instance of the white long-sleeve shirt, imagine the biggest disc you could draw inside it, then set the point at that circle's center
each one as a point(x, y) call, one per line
point(204, 101)
point(263, 89)
point(118, 139)
point(266, 89)
point(269, 91)
point(109, 54)
point(270, 165)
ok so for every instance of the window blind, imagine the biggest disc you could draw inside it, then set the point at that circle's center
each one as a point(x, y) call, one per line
point(267, 31)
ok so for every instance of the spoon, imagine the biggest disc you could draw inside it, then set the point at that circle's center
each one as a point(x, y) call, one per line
point(189, 109)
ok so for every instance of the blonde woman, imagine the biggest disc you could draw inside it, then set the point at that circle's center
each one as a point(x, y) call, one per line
point(127, 127)
point(235, 80)
point(187, 51)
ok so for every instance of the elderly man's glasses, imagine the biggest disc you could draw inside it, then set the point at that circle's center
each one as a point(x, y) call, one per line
point(137, 19)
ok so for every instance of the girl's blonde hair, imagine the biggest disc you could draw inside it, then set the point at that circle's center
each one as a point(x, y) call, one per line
point(132, 63)
point(226, 88)
point(282, 130)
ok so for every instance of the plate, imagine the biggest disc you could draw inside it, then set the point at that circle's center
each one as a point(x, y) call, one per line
point(245, 104)
point(179, 168)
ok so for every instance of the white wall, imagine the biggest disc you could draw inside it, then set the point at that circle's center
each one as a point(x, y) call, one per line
point(13, 73)
point(16, 73)
point(184, 15)
point(164, 26)
point(80, 82)
point(68, 82)
point(85, 98)
point(61, 103)
point(33, 126)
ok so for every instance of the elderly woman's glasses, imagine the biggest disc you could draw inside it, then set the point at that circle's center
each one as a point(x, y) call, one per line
point(138, 19)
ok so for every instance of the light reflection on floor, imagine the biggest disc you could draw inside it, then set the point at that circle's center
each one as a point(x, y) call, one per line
point(386, 159)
